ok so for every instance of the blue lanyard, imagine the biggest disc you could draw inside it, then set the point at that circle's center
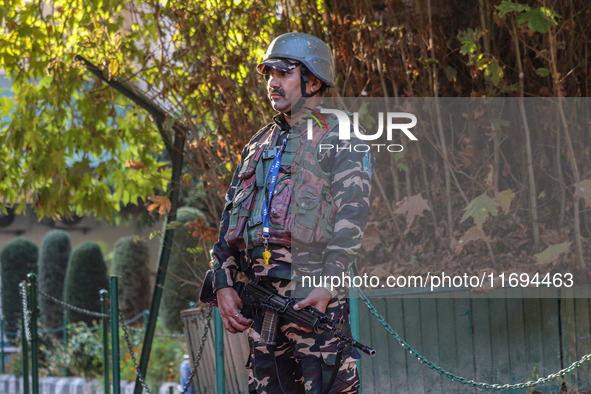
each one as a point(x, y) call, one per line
point(273, 171)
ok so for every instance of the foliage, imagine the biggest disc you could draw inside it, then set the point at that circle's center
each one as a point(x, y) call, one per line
point(18, 257)
point(552, 253)
point(66, 138)
point(71, 137)
point(480, 209)
point(14, 366)
point(83, 355)
point(165, 358)
point(53, 263)
point(538, 19)
point(85, 277)
point(184, 271)
point(131, 261)
point(88, 148)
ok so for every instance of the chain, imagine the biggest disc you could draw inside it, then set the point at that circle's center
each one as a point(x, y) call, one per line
point(72, 307)
point(132, 354)
point(469, 382)
point(200, 353)
point(195, 364)
point(156, 335)
point(26, 311)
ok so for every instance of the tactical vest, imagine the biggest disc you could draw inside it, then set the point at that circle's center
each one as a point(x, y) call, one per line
point(301, 210)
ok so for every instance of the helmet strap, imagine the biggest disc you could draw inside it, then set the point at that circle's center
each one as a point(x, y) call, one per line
point(304, 82)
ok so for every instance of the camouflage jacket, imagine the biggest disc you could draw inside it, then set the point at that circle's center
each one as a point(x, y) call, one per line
point(348, 173)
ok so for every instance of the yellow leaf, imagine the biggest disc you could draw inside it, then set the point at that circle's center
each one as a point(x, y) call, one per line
point(186, 179)
point(552, 253)
point(162, 203)
point(504, 198)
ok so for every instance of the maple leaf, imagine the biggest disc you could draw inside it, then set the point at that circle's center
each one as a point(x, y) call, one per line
point(412, 207)
point(552, 253)
point(475, 233)
point(162, 203)
point(137, 165)
point(480, 208)
point(504, 198)
point(583, 190)
point(199, 228)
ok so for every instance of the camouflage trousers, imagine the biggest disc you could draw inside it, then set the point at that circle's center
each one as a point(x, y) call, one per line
point(300, 362)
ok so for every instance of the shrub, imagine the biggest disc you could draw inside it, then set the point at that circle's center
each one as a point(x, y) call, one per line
point(131, 263)
point(53, 263)
point(179, 287)
point(166, 356)
point(85, 277)
point(84, 354)
point(18, 258)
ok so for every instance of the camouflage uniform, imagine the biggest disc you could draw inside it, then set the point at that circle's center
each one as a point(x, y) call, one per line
point(303, 360)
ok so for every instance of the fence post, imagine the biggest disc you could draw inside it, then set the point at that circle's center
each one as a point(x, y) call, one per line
point(34, 338)
point(115, 334)
point(354, 322)
point(104, 295)
point(24, 345)
point(3, 366)
point(219, 352)
point(65, 339)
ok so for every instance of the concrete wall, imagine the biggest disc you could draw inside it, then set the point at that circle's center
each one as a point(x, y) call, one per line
point(57, 385)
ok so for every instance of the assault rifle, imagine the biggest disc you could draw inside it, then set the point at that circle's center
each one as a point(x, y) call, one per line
point(257, 300)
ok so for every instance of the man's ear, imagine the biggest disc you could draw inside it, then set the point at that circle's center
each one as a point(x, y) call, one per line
point(314, 83)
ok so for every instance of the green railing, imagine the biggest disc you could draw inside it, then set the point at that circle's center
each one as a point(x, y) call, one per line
point(109, 314)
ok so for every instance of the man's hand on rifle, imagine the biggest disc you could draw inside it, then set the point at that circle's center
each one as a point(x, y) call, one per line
point(317, 299)
point(230, 305)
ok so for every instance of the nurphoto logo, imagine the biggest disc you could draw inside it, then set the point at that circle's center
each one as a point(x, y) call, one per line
point(394, 123)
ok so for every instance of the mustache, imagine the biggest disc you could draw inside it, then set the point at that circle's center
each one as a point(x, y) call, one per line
point(277, 91)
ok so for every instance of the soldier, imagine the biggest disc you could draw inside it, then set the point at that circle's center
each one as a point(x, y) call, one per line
point(289, 196)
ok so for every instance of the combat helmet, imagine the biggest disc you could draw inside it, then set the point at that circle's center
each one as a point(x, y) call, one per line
point(311, 51)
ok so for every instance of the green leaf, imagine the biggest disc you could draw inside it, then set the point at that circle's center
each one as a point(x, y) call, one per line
point(175, 225)
point(506, 6)
point(469, 41)
point(498, 124)
point(451, 74)
point(480, 208)
point(552, 253)
point(493, 71)
point(550, 14)
point(536, 20)
point(543, 71)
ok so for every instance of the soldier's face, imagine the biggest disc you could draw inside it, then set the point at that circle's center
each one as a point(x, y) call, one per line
point(283, 88)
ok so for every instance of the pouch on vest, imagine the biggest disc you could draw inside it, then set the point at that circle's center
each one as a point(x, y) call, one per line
point(313, 213)
point(241, 207)
point(250, 161)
